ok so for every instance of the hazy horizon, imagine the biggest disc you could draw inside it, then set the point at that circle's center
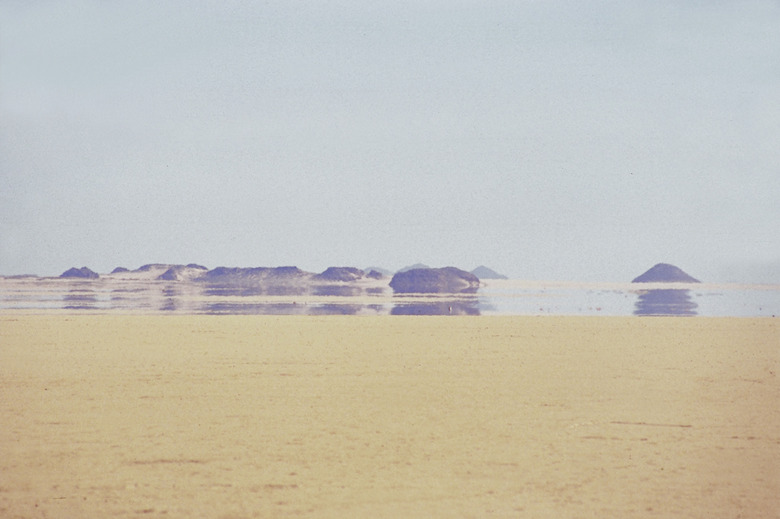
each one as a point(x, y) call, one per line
point(545, 140)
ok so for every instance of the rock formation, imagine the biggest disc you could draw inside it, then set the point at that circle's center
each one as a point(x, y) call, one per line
point(435, 280)
point(82, 273)
point(665, 273)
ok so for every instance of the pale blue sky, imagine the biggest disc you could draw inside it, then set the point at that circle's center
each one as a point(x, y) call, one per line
point(548, 140)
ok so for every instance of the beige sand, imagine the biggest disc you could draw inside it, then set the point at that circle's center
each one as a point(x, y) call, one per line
point(244, 416)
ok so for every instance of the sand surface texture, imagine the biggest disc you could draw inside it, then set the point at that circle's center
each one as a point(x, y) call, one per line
point(263, 416)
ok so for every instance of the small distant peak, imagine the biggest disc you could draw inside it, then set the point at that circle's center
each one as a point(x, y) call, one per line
point(416, 266)
point(665, 273)
point(483, 272)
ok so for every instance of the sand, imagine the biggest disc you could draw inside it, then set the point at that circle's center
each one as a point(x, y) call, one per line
point(247, 416)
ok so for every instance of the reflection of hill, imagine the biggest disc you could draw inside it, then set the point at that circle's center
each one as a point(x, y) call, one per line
point(665, 302)
point(459, 307)
point(237, 290)
point(80, 297)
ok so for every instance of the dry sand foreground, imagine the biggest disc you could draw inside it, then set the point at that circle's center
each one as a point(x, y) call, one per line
point(245, 416)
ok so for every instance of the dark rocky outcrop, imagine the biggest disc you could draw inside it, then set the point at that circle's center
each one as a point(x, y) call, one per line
point(82, 273)
point(435, 280)
point(665, 273)
point(340, 274)
point(483, 272)
point(172, 274)
point(375, 274)
point(119, 270)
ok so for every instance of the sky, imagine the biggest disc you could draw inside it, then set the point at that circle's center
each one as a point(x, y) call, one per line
point(548, 140)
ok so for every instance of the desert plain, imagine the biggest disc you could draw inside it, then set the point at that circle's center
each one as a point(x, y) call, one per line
point(387, 416)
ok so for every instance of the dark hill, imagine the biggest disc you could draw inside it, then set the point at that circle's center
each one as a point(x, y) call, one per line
point(427, 280)
point(665, 273)
point(83, 273)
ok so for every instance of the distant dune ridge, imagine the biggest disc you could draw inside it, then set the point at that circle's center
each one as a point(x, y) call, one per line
point(665, 273)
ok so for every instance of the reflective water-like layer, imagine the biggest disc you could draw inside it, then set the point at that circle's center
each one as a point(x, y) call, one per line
point(510, 297)
point(445, 307)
